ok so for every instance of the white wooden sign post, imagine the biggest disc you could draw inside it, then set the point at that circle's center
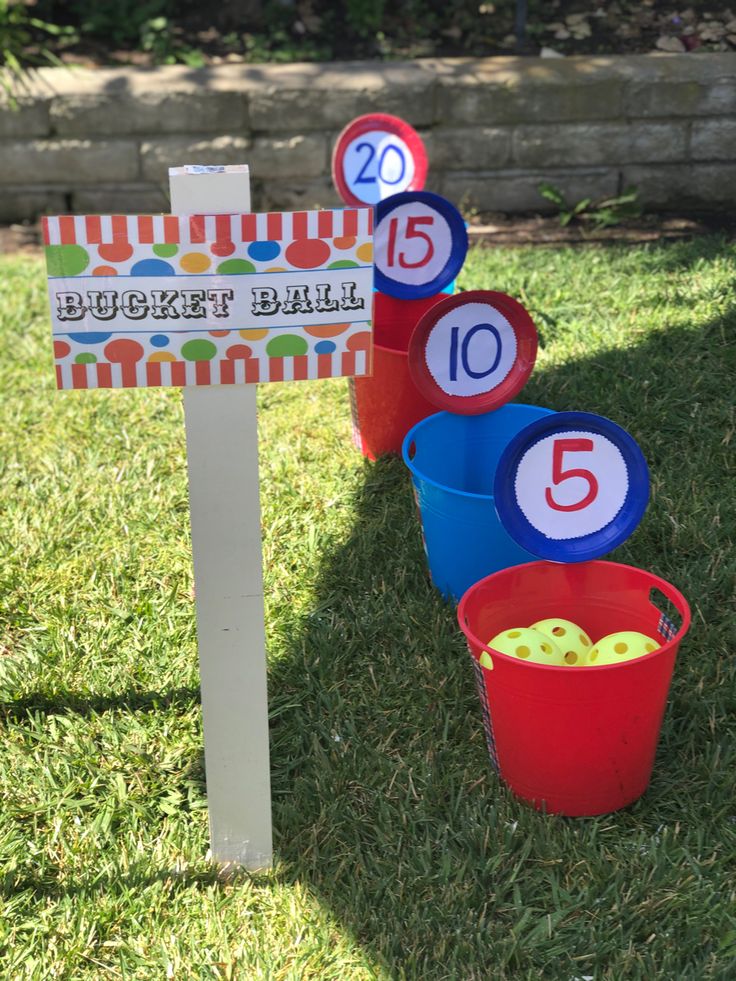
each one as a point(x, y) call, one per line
point(214, 299)
point(222, 459)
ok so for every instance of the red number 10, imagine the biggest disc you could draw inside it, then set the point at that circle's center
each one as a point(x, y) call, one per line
point(411, 232)
point(562, 446)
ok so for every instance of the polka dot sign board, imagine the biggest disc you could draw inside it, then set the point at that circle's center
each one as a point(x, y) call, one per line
point(150, 300)
point(571, 486)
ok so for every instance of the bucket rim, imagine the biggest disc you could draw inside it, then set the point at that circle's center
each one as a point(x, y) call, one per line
point(669, 591)
point(410, 436)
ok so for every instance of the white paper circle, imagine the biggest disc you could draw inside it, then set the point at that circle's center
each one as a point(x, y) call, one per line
point(470, 350)
point(535, 481)
point(376, 165)
point(412, 244)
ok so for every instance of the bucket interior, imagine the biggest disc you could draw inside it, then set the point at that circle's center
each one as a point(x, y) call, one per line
point(393, 336)
point(461, 452)
point(601, 597)
point(394, 320)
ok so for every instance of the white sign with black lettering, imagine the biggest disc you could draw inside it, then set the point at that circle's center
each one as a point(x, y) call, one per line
point(180, 304)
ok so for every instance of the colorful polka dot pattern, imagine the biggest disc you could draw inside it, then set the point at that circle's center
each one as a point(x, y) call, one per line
point(164, 246)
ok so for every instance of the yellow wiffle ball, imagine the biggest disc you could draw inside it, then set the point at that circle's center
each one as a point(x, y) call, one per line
point(527, 645)
point(568, 636)
point(622, 646)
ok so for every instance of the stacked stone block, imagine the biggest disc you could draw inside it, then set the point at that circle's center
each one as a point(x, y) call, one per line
point(101, 141)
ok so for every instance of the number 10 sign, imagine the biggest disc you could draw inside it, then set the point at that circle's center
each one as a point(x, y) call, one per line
point(473, 351)
point(571, 486)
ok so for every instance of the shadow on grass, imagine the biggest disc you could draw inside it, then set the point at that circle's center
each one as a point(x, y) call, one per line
point(73, 703)
point(384, 803)
point(383, 797)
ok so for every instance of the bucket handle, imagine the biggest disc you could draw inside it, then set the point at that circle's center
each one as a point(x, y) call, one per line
point(670, 617)
point(411, 445)
point(487, 662)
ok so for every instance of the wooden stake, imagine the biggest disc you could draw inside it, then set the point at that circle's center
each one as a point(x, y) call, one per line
point(224, 500)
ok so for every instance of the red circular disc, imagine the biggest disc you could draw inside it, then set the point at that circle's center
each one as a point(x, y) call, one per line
point(375, 156)
point(473, 352)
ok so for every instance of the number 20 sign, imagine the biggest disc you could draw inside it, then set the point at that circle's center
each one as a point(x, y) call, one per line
point(571, 486)
point(375, 156)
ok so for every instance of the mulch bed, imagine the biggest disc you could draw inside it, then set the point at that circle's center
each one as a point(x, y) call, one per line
point(506, 230)
point(317, 30)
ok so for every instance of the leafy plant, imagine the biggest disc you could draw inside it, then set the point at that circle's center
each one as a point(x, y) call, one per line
point(118, 22)
point(566, 211)
point(603, 213)
point(612, 211)
point(159, 39)
point(21, 47)
point(364, 16)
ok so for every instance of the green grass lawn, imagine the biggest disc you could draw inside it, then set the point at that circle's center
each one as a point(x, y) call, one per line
point(398, 852)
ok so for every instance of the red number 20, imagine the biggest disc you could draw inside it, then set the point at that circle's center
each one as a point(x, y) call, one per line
point(562, 446)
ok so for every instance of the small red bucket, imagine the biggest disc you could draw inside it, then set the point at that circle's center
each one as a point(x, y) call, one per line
point(387, 404)
point(574, 740)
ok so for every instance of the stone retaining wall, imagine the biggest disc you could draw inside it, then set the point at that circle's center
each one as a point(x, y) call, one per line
point(101, 141)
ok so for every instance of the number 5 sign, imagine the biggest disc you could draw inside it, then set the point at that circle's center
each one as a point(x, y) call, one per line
point(571, 486)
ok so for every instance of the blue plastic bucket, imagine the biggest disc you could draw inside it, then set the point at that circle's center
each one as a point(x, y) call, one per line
point(453, 460)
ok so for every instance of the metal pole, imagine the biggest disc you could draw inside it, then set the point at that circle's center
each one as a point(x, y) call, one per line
point(520, 23)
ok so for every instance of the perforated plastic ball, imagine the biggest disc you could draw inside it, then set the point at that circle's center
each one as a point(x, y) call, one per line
point(622, 646)
point(486, 661)
point(527, 645)
point(573, 641)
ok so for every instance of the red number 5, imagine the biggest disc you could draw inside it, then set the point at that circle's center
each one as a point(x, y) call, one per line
point(562, 446)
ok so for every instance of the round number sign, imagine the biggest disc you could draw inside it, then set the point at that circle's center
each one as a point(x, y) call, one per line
point(419, 244)
point(473, 351)
point(376, 156)
point(571, 486)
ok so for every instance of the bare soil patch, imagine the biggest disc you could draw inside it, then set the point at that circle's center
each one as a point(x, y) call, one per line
point(501, 230)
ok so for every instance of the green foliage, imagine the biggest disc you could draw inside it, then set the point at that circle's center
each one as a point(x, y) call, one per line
point(603, 213)
point(364, 16)
point(274, 30)
point(22, 45)
point(612, 211)
point(117, 22)
point(150, 26)
point(160, 40)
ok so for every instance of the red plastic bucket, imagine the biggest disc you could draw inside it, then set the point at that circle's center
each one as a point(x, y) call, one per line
point(574, 740)
point(387, 404)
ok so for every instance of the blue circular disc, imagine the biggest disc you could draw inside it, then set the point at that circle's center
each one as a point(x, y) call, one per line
point(419, 244)
point(571, 486)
